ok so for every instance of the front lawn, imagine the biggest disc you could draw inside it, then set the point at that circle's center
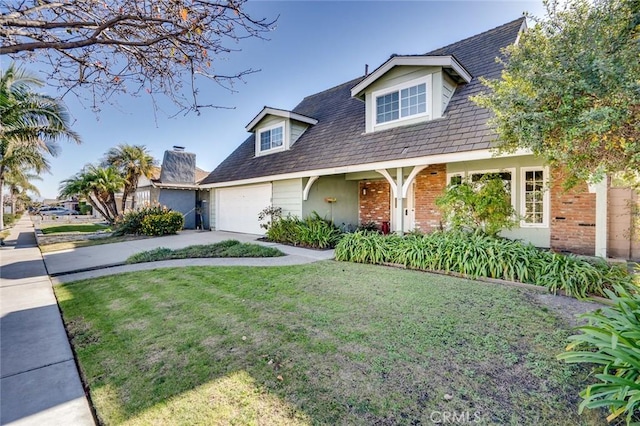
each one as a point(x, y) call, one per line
point(325, 343)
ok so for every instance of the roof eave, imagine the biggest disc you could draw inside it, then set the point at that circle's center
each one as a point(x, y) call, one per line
point(279, 113)
point(448, 61)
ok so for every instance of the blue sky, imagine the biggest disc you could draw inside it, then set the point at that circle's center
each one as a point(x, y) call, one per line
point(316, 45)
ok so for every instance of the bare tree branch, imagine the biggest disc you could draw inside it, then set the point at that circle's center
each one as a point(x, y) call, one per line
point(130, 46)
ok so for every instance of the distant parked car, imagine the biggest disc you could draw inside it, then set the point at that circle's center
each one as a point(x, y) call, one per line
point(58, 211)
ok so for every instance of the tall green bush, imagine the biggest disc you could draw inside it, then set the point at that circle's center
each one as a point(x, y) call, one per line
point(132, 221)
point(313, 231)
point(162, 224)
point(482, 206)
point(611, 341)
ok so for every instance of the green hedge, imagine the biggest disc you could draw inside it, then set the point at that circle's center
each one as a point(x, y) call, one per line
point(479, 255)
point(162, 224)
point(163, 221)
point(313, 232)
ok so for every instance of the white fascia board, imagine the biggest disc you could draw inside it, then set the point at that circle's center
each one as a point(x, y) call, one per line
point(279, 113)
point(176, 185)
point(483, 154)
point(429, 61)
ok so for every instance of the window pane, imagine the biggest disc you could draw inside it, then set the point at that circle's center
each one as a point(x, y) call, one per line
point(534, 196)
point(387, 107)
point(276, 137)
point(413, 100)
point(265, 141)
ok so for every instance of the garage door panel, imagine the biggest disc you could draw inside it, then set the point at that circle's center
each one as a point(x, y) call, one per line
point(238, 208)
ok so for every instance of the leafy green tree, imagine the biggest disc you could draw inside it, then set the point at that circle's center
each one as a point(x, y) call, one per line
point(133, 162)
point(30, 125)
point(98, 185)
point(570, 90)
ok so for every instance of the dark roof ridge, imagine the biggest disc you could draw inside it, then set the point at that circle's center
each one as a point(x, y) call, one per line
point(499, 27)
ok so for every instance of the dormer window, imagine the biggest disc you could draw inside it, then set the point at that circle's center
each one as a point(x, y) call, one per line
point(408, 90)
point(272, 138)
point(277, 130)
point(403, 103)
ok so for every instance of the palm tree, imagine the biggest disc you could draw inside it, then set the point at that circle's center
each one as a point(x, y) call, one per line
point(133, 161)
point(30, 126)
point(19, 182)
point(98, 186)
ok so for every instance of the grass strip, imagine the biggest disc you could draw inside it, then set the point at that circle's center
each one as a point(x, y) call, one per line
point(227, 248)
point(87, 227)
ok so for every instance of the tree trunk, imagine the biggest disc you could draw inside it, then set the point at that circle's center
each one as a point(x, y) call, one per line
point(124, 199)
point(1, 200)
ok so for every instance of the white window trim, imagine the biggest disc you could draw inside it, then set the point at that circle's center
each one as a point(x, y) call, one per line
point(450, 175)
point(546, 197)
point(427, 79)
point(285, 138)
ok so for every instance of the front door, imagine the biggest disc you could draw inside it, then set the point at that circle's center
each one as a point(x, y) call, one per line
point(409, 219)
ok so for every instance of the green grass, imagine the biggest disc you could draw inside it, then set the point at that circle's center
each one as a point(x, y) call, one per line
point(227, 248)
point(48, 248)
point(325, 343)
point(84, 227)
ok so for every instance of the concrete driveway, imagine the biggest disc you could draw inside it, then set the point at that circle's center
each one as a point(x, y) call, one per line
point(100, 256)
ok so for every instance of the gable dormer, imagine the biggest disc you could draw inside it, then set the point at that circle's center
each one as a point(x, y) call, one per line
point(409, 89)
point(277, 129)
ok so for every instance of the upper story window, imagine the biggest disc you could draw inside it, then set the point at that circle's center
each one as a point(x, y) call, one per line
point(272, 138)
point(401, 103)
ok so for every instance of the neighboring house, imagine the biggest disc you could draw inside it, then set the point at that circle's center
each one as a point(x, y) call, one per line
point(383, 147)
point(175, 185)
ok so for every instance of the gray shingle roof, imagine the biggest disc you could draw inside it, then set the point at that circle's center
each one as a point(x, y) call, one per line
point(339, 140)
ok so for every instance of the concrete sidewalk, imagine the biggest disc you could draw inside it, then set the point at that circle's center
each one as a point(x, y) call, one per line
point(39, 380)
point(101, 256)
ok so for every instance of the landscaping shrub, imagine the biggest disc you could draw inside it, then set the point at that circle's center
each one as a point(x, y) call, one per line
point(482, 206)
point(313, 231)
point(611, 340)
point(162, 224)
point(131, 221)
point(9, 219)
point(479, 255)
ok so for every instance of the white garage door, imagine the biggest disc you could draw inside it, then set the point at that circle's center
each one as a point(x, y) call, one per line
point(238, 208)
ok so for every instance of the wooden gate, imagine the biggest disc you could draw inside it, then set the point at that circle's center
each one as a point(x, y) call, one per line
point(624, 223)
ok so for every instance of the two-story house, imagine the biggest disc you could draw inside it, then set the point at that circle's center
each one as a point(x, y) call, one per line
point(384, 146)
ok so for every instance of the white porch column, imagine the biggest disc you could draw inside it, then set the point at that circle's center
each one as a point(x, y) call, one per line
point(601, 218)
point(399, 200)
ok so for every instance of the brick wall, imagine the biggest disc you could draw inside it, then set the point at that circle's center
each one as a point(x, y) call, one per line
point(573, 217)
point(429, 185)
point(375, 204)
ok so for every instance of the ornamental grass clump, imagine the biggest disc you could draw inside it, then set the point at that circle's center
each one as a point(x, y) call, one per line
point(479, 255)
point(611, 341)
